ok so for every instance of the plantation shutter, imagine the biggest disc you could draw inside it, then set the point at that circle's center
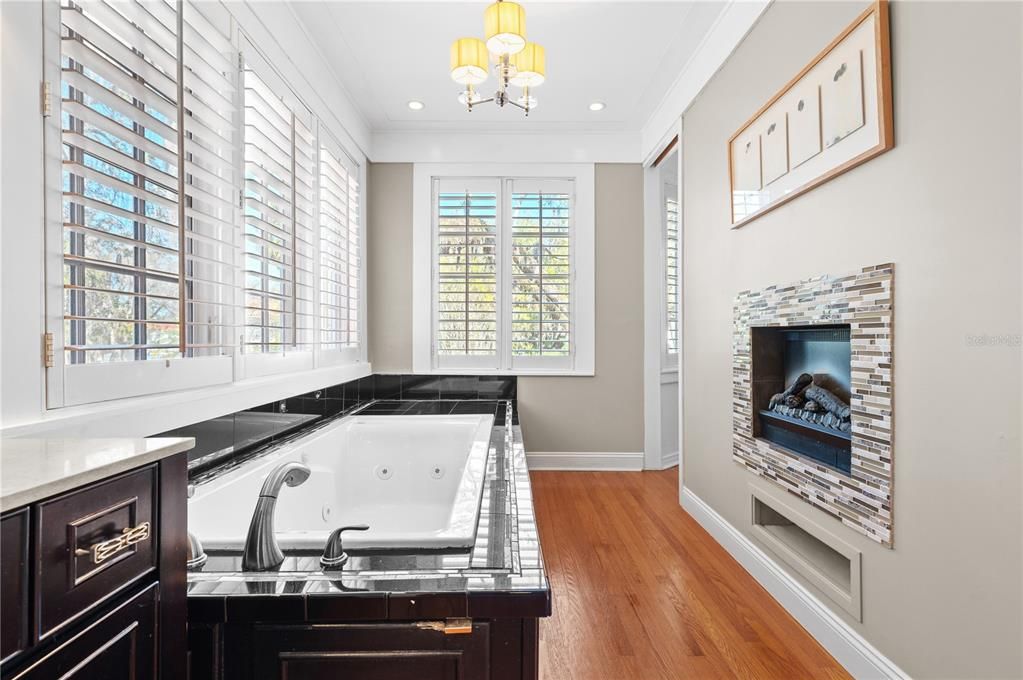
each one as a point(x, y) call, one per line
point(211, 194)
point(541, 281)
point(269, 231)
point(339, 249)
point(466, 271)
point(119, 133)
point(671, 287)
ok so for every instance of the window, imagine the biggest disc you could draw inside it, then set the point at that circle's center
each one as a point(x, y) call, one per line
point(278, 234)
point(190, 218)
point(541, 266)
point(671, 263)
point(119, 123)
point(503, 270)
point(340, 258)
point(465, 297)
point(210, 80)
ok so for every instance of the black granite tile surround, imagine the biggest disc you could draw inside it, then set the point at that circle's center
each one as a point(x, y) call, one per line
point(501, 575)
point(244, 432)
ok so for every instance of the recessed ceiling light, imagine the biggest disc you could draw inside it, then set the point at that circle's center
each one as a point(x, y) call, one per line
point(416, 105)
point(597, 106)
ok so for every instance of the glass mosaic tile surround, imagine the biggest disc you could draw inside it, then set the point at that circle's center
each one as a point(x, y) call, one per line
point(861, 500)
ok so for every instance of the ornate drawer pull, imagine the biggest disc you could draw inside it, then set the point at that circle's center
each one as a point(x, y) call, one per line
point(106, 549)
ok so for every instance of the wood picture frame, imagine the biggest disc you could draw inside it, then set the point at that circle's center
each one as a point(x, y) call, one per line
point(829, 97)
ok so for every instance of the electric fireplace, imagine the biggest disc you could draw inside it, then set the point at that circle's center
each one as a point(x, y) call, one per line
point(801, 382)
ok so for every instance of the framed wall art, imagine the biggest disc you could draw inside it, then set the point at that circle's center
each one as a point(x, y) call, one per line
point(834, 115)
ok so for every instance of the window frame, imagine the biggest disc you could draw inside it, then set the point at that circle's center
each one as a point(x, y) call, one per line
point(581, 359)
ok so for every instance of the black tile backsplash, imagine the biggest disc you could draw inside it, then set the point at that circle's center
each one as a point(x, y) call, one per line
point(379, 394)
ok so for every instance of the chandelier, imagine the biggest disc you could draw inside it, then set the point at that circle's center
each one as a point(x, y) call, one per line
point(516, 62)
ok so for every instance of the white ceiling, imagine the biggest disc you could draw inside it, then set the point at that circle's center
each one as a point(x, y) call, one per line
point(626, 54)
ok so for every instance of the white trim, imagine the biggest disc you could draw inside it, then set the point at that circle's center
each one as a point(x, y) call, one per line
point(596, 461)
point(93, 383)
point(149, 415)
point(849, 648)
point(669, 460)
point(728, 30)
point(657, 370)
point(460, 146)
point(583, 252)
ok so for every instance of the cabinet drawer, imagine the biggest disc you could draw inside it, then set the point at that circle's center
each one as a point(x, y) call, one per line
point(384, 651)
point(91, 543)
point(119, 646)
point(14, 583)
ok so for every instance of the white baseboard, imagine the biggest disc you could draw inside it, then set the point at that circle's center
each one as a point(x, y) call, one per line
point(669, 460)
point(603, 461)
point(849, 648)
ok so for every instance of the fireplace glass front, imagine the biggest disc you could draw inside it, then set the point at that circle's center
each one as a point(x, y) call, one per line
point(801, 386)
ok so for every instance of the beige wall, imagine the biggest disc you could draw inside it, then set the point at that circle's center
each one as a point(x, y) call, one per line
point(603, 412)
point(389, 266)
point(944, 206)
point(599, 413)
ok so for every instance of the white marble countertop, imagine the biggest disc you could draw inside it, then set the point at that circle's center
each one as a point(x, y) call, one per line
point(33, 469)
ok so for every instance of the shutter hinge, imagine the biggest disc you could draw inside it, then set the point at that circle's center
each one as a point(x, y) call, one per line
point(45, 100)
point(47, 350)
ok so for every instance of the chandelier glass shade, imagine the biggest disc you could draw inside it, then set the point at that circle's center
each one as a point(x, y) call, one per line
point(470, 62)
point(504, 28)
point(515, 61)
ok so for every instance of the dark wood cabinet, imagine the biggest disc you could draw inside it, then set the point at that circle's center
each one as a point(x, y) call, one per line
point(383, 651)
point(14, 592)
point(91, 543)
point(121, 645)
point(204, 645)
point(93, 580)
point(491, 649)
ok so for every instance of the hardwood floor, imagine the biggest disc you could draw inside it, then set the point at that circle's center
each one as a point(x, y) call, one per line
point(642, 592)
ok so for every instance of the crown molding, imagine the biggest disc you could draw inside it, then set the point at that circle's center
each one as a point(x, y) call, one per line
point(729, 29)
point(420, 146)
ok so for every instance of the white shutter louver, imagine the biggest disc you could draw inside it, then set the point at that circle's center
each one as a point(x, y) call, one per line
point(540, 271)
point(119, 133)
point(210, 75)
point(467, 272)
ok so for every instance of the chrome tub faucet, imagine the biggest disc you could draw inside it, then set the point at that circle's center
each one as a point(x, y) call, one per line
point(261, 550)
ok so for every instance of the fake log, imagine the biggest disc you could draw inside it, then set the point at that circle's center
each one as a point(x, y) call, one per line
point(812, 406)
point(794, 401)
point(794, 389)
point(827, 400)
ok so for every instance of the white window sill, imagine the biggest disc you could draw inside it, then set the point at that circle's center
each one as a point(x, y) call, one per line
point(149, 415)
point(519, 372)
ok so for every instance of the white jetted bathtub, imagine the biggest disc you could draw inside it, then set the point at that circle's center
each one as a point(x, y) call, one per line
point(415, 480)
